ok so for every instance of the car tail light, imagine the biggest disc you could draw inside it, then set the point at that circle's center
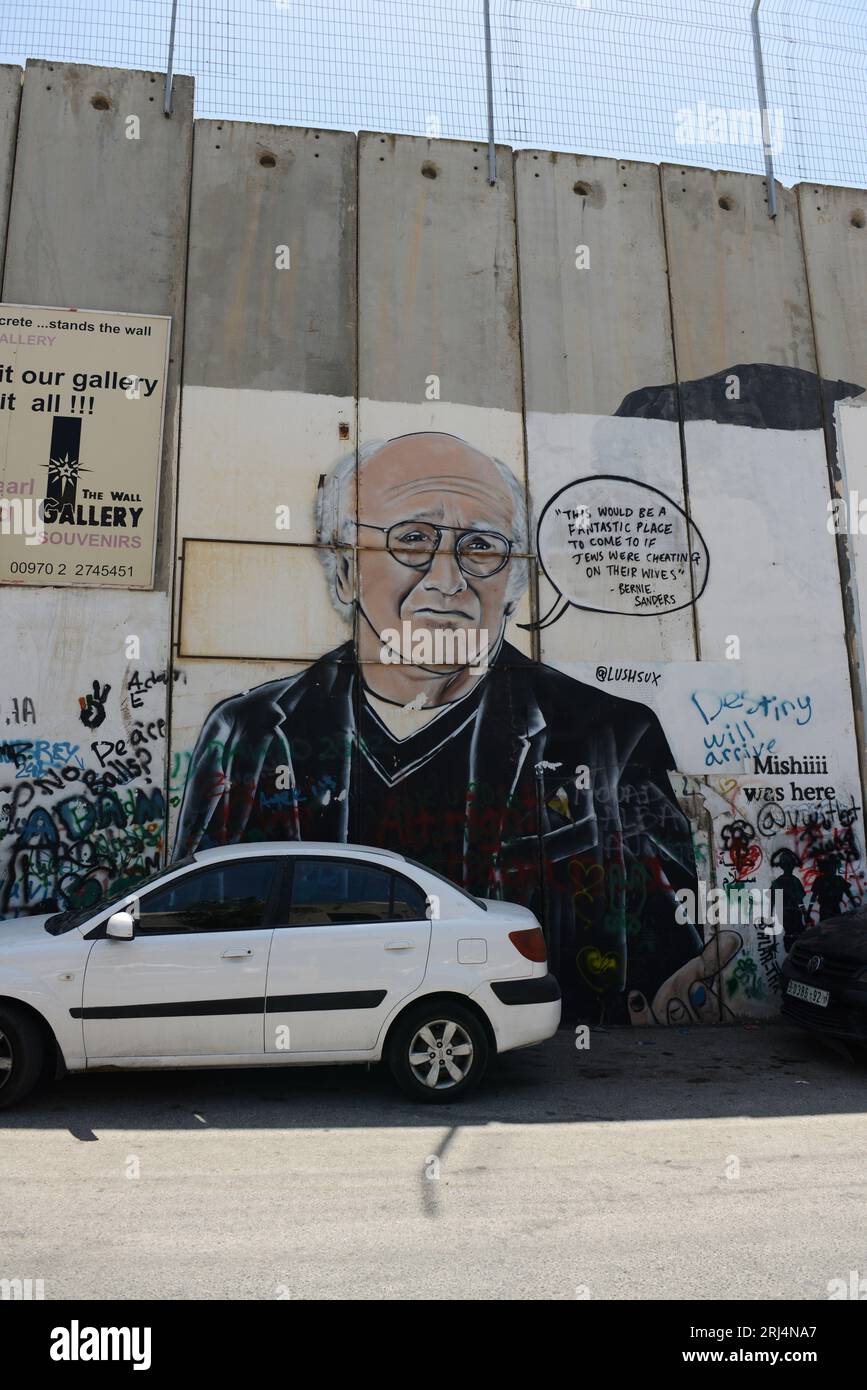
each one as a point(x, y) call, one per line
point(530, 943)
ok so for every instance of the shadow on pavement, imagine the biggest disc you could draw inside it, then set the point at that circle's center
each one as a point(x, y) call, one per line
point(625, 1074)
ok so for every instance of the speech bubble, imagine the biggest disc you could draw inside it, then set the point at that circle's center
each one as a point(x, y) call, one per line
point(610, 544)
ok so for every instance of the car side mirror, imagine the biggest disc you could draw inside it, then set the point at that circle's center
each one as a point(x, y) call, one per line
point(120, 926)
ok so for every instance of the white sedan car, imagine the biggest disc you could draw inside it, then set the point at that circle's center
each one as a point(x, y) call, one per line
point(287, 953)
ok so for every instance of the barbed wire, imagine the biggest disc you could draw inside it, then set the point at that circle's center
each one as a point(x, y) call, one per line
point(659, 80)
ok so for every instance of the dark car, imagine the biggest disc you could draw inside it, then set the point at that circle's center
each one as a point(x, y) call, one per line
point(825, 978)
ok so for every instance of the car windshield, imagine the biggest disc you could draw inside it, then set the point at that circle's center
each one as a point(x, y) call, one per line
point(65, 921)
point(442, 878)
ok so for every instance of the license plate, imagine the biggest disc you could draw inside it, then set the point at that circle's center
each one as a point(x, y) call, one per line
point(809, 993)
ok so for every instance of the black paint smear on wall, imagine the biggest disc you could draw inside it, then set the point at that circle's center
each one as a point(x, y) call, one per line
point(771, 398)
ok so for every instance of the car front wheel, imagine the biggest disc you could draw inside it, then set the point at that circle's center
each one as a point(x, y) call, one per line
point(438, 1052)
point(21, 1054)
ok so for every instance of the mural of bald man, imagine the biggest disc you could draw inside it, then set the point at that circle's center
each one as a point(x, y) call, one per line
point(450, 762)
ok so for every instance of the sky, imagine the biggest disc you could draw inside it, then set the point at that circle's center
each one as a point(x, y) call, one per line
point(658, 80)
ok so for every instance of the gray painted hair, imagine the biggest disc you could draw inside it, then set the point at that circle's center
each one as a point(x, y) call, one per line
point(336, 505)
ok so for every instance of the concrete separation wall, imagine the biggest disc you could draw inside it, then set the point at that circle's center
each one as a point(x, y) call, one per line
point(269, 402)
point(98, 220)
point(505, 533)
point(10, 99)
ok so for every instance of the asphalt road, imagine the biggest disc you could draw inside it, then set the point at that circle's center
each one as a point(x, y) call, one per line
point(688, 1164)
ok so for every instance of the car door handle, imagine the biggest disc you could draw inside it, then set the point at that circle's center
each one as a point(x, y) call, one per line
point(236, 955)
point(399, 945)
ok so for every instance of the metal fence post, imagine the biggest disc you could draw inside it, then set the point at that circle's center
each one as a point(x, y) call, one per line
point(763, 103)
point(492, 152)
point(167, 95)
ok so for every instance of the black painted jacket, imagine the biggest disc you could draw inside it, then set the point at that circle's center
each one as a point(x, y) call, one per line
point(597, 855)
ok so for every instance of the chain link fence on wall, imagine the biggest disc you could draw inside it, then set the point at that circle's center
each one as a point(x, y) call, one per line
point(659, 80)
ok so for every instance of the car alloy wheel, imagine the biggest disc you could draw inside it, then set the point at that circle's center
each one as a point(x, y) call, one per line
point(441, 1054)
point(437, 1050)
point(22, 1053)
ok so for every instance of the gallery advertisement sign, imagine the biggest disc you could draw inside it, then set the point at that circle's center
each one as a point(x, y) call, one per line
point(82, 401)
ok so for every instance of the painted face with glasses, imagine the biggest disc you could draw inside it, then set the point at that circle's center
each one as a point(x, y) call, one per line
point(479, 554)
point(435, 537)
